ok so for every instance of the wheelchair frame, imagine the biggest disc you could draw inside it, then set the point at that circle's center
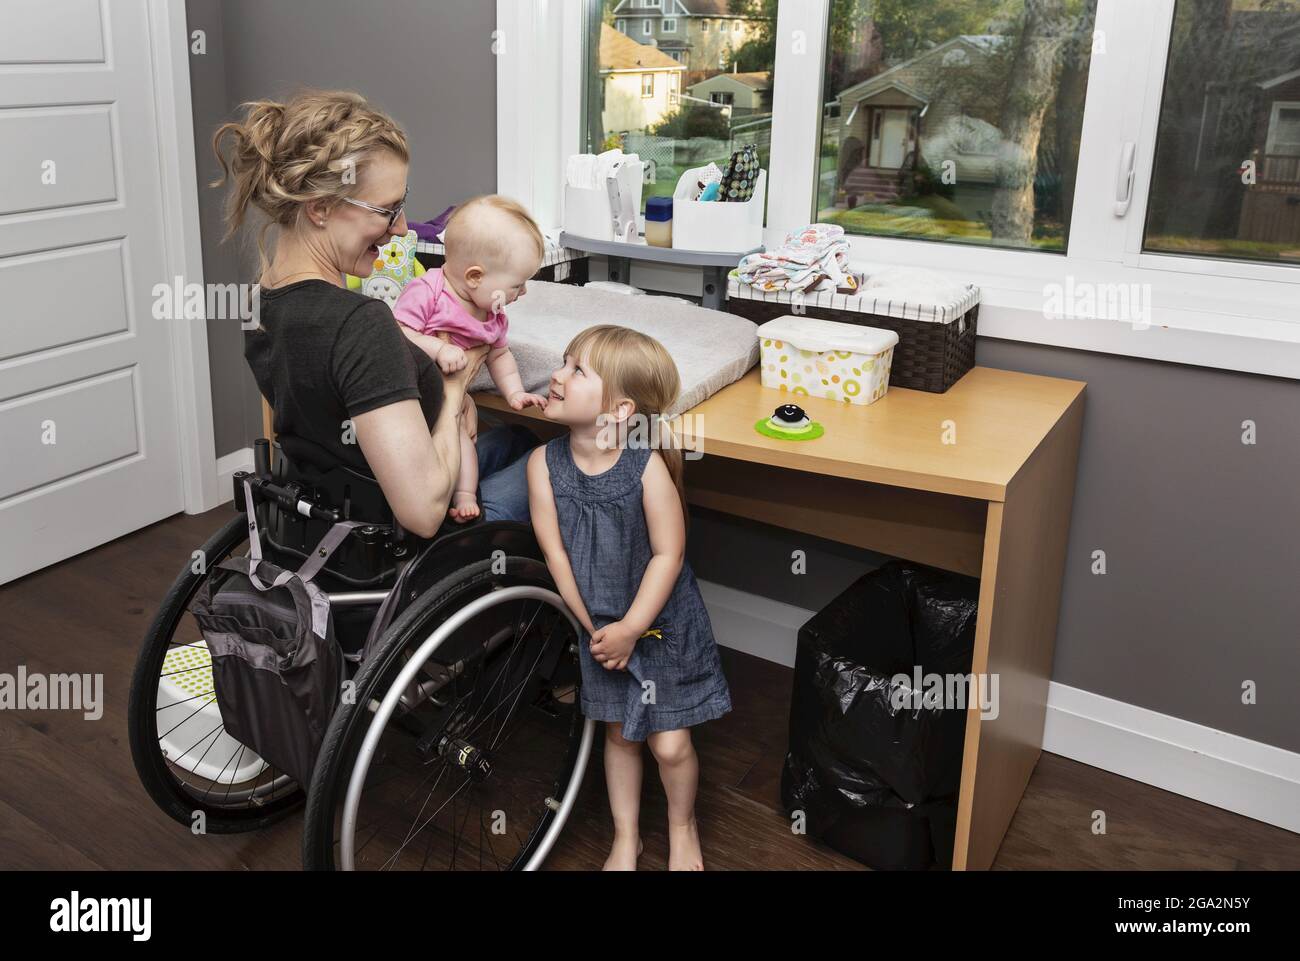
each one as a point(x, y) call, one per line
point(420, 567)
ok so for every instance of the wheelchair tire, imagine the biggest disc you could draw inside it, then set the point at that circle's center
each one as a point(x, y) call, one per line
point(181, 801)
point(350, 740)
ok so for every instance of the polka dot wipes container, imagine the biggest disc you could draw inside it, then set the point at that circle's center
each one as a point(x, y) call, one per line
point(809, 357)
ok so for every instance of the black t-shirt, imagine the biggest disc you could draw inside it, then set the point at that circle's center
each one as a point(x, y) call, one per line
point(324, 354)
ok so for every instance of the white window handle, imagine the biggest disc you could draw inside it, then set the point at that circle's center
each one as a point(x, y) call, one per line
point(1124, 184)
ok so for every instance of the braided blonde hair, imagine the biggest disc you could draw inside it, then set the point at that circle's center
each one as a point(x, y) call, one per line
point(286, 155)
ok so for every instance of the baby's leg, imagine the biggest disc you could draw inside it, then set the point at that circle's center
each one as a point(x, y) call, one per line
point(623, 780)
point(679, 769)
point(464, 501)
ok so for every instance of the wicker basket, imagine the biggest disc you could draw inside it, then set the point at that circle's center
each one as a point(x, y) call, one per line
point(936, 345)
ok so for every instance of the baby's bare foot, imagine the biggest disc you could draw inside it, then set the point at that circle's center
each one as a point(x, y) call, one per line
point(684, 852)
point(623, 854)
point(464, 506)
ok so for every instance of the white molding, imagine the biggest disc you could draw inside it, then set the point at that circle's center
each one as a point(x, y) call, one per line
point(1224, 770)
point(182, 250)
point(797, 77)
point(227, 467)
point(539, 100)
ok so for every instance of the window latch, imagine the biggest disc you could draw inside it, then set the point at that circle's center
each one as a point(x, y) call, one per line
point(1124, 184)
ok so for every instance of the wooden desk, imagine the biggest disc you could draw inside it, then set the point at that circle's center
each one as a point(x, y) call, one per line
point(979, 480)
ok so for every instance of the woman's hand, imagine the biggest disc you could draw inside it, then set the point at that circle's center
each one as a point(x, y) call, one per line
point(612, 645)
point(457, 382)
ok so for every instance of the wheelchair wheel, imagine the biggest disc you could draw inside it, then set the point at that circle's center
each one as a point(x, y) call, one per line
point(464, 744)
point(184, 757)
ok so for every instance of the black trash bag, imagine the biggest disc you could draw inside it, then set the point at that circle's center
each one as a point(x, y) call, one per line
point(875, 758)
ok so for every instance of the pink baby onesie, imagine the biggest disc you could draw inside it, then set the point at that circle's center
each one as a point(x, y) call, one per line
point(426, 306)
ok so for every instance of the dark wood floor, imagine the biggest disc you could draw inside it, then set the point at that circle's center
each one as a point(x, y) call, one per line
point(69, 797)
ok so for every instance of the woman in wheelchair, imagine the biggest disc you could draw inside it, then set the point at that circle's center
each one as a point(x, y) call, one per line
point(454, 739)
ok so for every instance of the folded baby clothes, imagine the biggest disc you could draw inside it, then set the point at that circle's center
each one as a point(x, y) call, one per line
point(807, 259)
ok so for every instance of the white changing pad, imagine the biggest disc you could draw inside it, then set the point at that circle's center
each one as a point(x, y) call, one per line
point(711, 349)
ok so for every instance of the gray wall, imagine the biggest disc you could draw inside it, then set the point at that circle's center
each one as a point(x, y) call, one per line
point(1201, 534)
point(428, 64)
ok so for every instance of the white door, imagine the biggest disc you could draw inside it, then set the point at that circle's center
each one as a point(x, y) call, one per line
point(88, 421)
point(893, 138)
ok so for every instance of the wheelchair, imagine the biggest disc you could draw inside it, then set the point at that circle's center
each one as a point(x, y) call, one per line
point(462, 744)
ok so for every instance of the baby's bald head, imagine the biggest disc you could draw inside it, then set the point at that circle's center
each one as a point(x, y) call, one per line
point(492, 232)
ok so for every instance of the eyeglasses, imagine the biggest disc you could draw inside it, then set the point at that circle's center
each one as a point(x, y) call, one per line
point(393, 214)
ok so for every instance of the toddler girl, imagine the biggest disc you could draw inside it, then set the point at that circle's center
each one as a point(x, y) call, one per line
point(610, 516)
point(492, 247)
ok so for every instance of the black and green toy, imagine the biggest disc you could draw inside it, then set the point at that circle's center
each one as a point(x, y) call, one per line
point(789, 422)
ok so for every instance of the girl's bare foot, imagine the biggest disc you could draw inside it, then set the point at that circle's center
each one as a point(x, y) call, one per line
point(684, 852)
point(464, 506)
point(623, 854)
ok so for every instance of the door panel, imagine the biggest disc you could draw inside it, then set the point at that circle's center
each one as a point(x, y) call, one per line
point(88, 436)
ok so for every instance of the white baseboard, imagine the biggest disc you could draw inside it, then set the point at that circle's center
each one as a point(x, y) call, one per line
point(227, 467)
point(1223, 770)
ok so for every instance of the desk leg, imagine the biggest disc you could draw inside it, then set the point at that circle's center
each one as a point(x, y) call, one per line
point(1020, 592)
point(715, 288)
point(619, 270)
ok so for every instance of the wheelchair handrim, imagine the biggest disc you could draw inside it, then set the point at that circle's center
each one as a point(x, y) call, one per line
point(383, 713)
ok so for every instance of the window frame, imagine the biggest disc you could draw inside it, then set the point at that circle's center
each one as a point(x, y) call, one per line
point(663, 25)
point(647, 27)
point(1213, 313)
point(651, 94)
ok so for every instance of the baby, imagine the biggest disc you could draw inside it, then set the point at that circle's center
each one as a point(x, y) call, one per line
point(493, 247)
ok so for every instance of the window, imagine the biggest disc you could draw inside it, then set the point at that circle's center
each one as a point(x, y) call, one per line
point(679, 126)
point(735, 27)
point(647, 27)
point(620, 26)
point(724, 98)
point(669, 25)
point(704, 26)
point(1111, 196)
point(1225, 181)
point(944, 131)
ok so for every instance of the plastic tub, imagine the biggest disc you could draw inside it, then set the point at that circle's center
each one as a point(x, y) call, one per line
point(825, 358)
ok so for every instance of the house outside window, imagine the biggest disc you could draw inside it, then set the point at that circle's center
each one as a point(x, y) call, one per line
point(647, 27)
point(735, 27)
point(1284, 129)
point(647, 85)
point(722, 97)
point(669, 25)
point(704, 26)
point(620, 26)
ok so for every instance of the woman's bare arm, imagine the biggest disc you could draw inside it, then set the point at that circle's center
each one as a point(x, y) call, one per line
point(541, 504)
point(416, 468)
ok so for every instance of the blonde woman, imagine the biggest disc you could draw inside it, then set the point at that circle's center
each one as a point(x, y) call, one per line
point(329, 174)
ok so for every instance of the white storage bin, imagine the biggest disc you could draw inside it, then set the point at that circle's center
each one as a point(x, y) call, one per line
point(720, 226)
point(825, 358)
point(588, 212)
